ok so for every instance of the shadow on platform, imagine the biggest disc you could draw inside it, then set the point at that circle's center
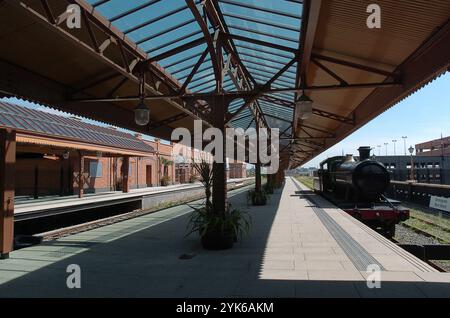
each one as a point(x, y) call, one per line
point(141, 258)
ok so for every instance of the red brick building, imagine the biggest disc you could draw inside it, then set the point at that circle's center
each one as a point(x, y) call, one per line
point(237, 170)
point(52, 150)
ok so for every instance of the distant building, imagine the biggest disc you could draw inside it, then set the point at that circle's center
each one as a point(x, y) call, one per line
point(427, 169)
point(431, 163)
point(436, 147)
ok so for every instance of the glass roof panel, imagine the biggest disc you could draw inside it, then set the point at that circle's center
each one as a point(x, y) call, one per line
point(269, 32)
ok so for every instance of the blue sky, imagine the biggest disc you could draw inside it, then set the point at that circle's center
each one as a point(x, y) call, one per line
point(422, 116)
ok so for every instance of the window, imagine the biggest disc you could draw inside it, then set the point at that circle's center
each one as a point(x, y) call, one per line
point(95, 169)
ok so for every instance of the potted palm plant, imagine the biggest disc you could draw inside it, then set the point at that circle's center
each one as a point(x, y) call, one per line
point(217, 230)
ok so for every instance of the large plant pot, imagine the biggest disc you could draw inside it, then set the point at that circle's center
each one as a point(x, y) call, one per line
point(258, 198)
point(259, 202)
point(217, 240)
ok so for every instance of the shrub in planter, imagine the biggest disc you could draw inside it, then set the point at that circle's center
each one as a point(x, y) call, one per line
point(257, 197)
point(165, 181)
point(219, 231)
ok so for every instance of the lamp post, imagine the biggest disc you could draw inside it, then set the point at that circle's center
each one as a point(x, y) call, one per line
point(404, 143)
point(385, 146)
point(394, 141)
point(411, 150)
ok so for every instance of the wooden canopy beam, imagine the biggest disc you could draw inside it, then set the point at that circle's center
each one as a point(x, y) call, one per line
point(310, 21)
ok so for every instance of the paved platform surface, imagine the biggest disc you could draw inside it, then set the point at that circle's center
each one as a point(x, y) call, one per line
point(297, 248)
point(54, 202)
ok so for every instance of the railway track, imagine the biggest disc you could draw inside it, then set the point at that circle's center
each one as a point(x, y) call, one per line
point(27, 240)
point(425, 233)
point(428, 223)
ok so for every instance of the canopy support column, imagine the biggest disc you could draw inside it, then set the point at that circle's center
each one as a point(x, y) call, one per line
point(279, 177)
point(81, 175)
point(219, 195)
point(125, 172)
point(258, 161)
point(270, 179)
point(7, 184)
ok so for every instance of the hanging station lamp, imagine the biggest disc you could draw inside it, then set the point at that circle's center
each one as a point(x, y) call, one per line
point(304, 106)
point(142, 112)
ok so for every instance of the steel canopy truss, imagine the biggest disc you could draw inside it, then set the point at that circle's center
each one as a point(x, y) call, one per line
point(259, 56)
point(199, 50)
point(217, 51)
point(245, 48)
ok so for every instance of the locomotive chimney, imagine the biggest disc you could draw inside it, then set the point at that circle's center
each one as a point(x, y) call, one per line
point(364, 153)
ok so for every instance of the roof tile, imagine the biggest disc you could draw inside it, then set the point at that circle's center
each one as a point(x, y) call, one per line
point(19, 117)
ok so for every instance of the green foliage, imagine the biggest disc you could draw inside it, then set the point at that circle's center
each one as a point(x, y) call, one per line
point(234, 221)
point(204, 170)
point(166, 162)
point(257, 197)
point(307, 181)
point(204, 220)
point(165, 181)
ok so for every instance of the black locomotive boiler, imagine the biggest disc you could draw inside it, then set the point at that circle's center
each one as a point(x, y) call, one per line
point(357, 187)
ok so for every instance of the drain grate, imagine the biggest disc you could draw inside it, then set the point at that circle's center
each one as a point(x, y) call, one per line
point(355, 252)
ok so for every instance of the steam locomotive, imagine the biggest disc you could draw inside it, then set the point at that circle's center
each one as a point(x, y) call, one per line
point(357, 187)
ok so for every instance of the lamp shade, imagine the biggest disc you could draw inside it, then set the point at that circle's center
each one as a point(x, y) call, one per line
point(304, 106)
point(141, 114)
point(66, 154)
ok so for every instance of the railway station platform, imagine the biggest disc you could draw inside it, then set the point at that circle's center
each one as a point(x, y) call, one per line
point(144, 197)
point(299, 246)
